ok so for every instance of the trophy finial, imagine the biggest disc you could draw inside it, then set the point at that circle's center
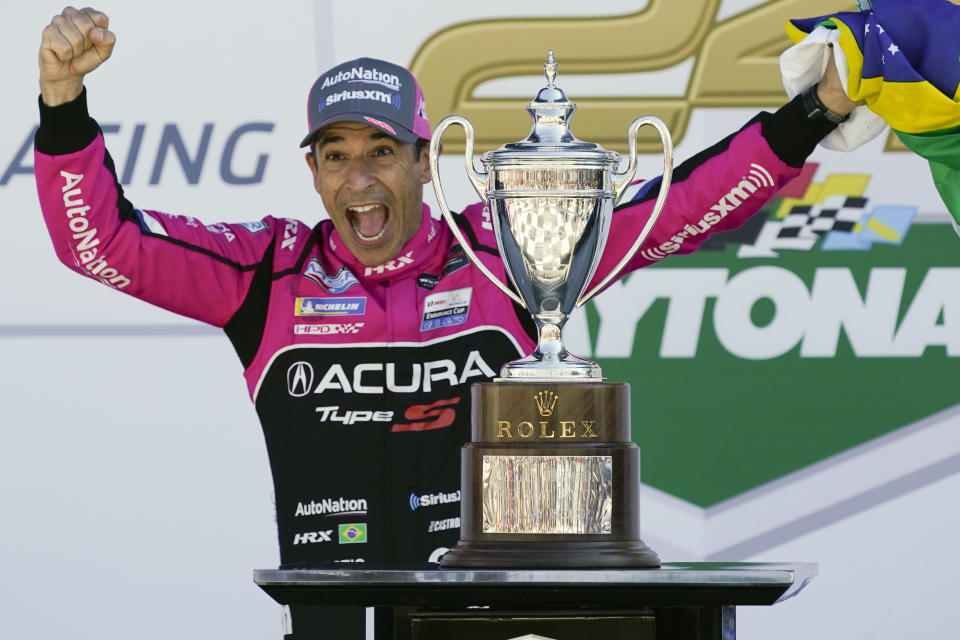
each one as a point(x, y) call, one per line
point(550, 111)
point(550, 68)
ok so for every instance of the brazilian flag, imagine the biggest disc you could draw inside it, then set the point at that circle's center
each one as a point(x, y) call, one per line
point(903, 60)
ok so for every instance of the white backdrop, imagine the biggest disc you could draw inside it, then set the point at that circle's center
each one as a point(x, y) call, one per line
point(128, 441)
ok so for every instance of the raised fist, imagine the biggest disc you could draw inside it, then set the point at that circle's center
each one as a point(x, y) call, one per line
point(831, 93)
point(74, 43)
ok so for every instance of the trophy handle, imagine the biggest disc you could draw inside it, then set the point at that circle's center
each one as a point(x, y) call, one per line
point(479, 181)
point(622, 181)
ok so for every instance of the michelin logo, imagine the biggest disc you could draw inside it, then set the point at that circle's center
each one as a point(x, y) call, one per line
point(330, 306)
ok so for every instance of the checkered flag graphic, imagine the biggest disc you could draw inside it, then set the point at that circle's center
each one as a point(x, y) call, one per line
point(836, 213)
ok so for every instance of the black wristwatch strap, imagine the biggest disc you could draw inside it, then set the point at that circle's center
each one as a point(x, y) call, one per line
point(816, 110)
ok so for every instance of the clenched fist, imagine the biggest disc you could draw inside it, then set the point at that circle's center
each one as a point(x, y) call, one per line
point(74, 43)
point(831, 93)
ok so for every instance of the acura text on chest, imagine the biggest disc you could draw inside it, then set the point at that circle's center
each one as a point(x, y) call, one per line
point(378, 377)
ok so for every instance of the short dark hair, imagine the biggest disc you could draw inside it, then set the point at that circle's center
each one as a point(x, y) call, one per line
point(418, 147)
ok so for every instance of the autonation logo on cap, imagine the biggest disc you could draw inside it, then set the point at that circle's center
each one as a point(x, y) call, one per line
point(362, 74)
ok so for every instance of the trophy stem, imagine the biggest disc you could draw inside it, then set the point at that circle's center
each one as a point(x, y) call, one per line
point(549, 345)
point(551, 360)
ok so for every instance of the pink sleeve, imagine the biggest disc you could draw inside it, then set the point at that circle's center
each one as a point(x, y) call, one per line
point(174, 262)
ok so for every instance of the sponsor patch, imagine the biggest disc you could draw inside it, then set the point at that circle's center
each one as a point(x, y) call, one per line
point(353, 533)
point(339, 282)
point(380, 123)
point(377, 378)
point(255, 227)
point(364, 75)
point(428, 281)
point(361, 416)
point(330, 306)
point(446, 309)
point(221, 227)
point(85, 248)
point(327, 329)
point(758, 179)
point(290, 235)
point(397, 263)
point(332, 507)
point(436, 554)
point(149, 223)
point(433, 499)
point(313, 537)
point(443, 525)
point(385, 97)
point(299, 379)
point(426, 417)
point(457, 259)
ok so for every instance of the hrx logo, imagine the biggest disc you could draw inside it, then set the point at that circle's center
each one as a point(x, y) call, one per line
point(313, 537)
point(393, 265)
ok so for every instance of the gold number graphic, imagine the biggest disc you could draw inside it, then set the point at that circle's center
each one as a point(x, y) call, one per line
point(739, 63)
point(736, 65)
point(454, 61)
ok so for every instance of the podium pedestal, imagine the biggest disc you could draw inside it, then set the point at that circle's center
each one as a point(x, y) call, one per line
point(689, 601)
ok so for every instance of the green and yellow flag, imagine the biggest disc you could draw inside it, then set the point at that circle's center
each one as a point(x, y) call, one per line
point(903, 60)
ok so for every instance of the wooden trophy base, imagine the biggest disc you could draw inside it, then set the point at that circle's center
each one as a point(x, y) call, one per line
point(551, 479)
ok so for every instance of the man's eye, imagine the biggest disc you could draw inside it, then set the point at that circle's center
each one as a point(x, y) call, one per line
point(333, 157)
point(383, 151)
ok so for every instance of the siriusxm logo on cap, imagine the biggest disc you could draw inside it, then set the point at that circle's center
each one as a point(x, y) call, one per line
point(392, 99)
point(361, 74)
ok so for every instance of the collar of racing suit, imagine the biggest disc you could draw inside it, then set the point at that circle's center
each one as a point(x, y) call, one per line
point(417, 256)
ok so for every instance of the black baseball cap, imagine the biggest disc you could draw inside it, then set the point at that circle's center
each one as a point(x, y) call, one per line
point(371, 91)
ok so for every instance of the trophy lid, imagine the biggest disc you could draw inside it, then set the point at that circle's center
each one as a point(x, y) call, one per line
point(551, 111)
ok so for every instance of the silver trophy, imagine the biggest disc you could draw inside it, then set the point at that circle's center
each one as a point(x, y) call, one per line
point(551, 477)
point(551, 198)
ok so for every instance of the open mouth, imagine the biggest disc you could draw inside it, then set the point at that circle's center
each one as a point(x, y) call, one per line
point(368, 221)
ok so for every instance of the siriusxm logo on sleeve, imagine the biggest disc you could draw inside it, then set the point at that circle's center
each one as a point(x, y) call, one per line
point(330, 306)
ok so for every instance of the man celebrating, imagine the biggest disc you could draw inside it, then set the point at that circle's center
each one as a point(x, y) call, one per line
point(361, 336)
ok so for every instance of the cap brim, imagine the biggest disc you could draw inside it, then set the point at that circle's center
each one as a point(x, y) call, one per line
point(389, 127)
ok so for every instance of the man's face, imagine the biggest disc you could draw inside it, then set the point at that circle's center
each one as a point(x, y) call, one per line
point(372, 187)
